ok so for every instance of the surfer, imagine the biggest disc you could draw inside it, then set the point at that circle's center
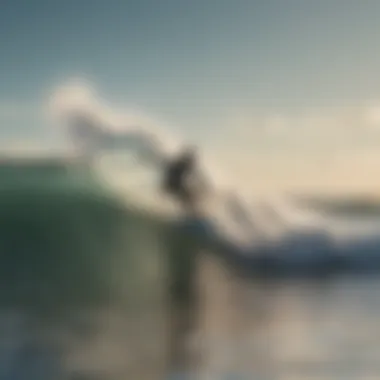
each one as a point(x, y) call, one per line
point(177, 176)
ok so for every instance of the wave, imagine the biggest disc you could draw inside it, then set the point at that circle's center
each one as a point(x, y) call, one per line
point(64, 239)
point(80, 257)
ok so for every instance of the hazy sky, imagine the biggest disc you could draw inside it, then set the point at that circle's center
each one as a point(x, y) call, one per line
point(268, 77)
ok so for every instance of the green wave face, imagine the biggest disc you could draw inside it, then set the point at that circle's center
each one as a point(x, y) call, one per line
point(70, 253)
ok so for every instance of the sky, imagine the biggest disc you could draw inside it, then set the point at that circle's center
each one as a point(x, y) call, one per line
point(285, 91)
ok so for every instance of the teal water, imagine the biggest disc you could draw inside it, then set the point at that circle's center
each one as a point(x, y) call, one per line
point(80, 276)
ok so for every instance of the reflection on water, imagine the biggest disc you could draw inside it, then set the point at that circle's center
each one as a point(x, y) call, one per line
point(293, 329)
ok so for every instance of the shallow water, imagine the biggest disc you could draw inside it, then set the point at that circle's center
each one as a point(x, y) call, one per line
point(296, 329)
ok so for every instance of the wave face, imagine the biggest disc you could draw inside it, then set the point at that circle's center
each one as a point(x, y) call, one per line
point(81, 280)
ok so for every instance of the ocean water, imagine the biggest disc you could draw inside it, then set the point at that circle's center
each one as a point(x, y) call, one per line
point(94, 289)
point(81, 284)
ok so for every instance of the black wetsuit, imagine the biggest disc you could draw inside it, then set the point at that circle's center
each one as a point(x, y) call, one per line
point(175, 178)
